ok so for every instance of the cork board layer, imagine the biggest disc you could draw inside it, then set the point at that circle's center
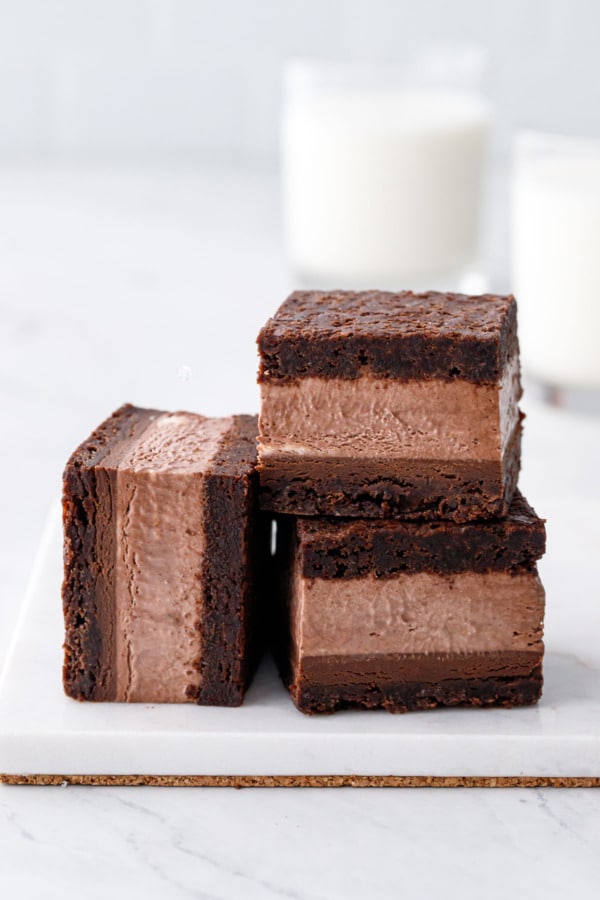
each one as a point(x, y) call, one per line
point(302, 781)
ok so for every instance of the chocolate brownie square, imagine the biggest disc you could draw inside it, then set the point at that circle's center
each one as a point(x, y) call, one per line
point(162, 542)
point(406, 615)
point(378, 404)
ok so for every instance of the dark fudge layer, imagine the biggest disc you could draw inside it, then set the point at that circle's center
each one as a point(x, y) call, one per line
point(413, 490)
point(376, 404)
point(387, 668)
point(162, 543)
point(344, 334)
point(410, 615)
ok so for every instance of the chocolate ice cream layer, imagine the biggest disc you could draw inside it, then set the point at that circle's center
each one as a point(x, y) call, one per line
point(158, 509)
point(418, 626)
point(384, 420)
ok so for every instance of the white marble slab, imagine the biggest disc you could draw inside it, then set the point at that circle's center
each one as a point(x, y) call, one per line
point(44, 732)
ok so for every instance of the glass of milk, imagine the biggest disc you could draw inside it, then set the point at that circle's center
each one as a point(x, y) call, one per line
point(555, 255)
point(383, 170)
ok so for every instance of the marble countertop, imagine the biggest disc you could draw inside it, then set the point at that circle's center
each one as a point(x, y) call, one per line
point(149, 286)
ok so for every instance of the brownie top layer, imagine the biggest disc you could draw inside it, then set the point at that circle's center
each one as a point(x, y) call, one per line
point(345, 334)
point(121, 441)
point(347, 548)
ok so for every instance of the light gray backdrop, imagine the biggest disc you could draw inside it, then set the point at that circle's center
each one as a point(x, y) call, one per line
point(191, 77)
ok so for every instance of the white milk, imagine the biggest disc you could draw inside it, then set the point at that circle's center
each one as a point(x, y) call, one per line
point(383, 187)
point(556, 268)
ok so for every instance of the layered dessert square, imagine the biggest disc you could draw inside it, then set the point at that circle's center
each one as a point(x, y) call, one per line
point(161, 547)
point(405, 615)
point(380, 404)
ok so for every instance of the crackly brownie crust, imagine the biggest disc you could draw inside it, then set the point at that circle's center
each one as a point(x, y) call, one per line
point(87, 592)
point(236, 548)
point(351, 548)
point(403, 335)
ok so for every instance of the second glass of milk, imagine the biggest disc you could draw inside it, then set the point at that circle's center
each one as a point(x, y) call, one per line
point(555, 255)
point(383, 170)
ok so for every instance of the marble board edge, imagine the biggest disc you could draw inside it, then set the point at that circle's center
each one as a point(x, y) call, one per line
point(330, 775)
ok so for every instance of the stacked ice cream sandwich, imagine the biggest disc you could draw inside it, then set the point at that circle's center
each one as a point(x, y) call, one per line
point(389, 452)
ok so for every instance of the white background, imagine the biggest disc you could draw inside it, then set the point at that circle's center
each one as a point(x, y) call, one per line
point(139, 232)
point(155, 77)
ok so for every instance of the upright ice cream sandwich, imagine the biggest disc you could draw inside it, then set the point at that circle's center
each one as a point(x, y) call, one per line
point(379, 404)
point(162, 546)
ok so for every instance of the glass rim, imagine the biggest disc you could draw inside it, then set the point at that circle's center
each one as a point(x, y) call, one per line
point(451, 67)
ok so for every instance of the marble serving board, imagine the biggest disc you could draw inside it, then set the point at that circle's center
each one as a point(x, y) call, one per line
point(46, 737)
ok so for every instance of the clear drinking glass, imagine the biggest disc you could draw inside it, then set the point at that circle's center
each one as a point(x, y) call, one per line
point(555, 256)
point(383, 170)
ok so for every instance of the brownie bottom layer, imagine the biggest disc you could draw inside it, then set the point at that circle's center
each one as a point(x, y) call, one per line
point(410, 489)
point(507, 691)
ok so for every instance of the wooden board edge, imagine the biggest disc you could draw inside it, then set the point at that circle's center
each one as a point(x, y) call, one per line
point(327, 781)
